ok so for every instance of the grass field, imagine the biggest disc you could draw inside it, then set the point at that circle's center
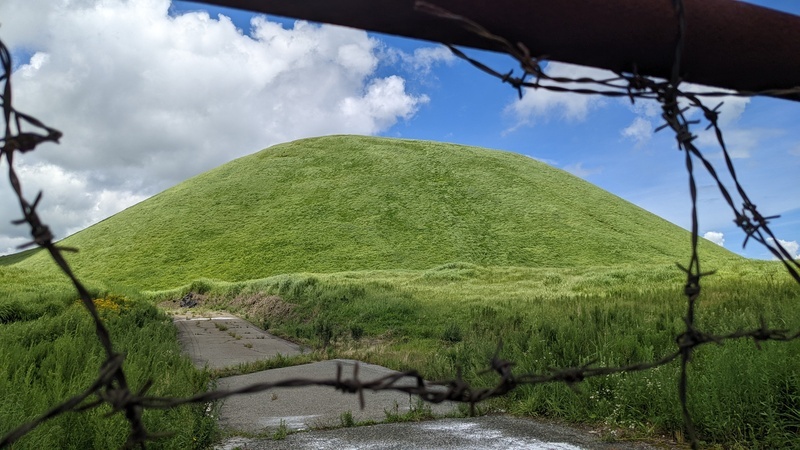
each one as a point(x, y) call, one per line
point(414, 255)
point(50, 353)
point(454, 316)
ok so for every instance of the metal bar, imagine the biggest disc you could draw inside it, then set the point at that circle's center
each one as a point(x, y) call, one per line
point(730, 44)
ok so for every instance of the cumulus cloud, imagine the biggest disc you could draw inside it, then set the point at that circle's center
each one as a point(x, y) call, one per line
point(715, 237)
point(790, 246)
point(578, 170)
point(146, 99)
point(422, 60)
point(10, 244)
point(541, 103)
point(381, 105)
point(68, 204)
point(648, 113)
point(640, 131)
point(741, 143)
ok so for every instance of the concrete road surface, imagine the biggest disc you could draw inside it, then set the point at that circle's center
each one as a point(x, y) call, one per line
point(219, 340)
point(312, 407)
point(477, 433)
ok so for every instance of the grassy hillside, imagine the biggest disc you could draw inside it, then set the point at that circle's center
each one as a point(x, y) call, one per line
point(8, 260)
point(343, 203)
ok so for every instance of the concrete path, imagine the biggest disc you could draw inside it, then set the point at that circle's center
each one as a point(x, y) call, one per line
point(312, 407)
point(219, 340)
point(477, 433)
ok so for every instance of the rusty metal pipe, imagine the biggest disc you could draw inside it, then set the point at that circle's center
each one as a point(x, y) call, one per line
point(729, 44)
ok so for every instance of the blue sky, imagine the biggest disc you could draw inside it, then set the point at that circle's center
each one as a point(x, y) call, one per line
point(385, 85)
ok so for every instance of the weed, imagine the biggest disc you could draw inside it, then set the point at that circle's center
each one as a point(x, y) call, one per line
point(452, 333)
point(275, 362)
point(324, 331)
point(282, 431)
point(356, 331)
point(346, 419)
point(418, 411)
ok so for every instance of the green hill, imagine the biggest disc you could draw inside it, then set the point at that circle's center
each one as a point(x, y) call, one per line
point(344, 203)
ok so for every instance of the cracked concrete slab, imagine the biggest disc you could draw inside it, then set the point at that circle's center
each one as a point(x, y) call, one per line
point(218, 341)
point(315, 406)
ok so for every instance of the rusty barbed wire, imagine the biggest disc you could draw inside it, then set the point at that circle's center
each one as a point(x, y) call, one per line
point(618, 86)
point(111, 383)
point(110, 387)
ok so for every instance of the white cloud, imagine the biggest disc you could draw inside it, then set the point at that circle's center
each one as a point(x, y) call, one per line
point(422, 60)
point(644, 108)
point(10, 245)
point(578, 170)
point(648, 112)
point(146, 99)
point(795, 151)
point(715, 237)
point(732, 106)
point(542, 103)
point(790, 246)
point(381, 105)
point(641, 130)
point(740, 142)
point(68, 203)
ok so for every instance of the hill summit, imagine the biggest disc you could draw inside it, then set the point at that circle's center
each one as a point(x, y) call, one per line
point(342, 203)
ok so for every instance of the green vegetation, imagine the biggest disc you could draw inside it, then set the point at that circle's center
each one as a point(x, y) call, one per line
point(282, 431)
point(344, 203)
point(424, 256)
point(50, 353)
point(346, 419)
point(418, 411)
point(453, 317)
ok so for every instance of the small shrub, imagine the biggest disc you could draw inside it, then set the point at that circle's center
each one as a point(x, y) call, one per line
point(346, 419)
point(324, 331)
point(452, 333)
point(356, 331)
point(282, 431)
point(201, 286)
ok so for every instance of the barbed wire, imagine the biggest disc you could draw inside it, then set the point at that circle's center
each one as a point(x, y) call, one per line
point(111, 388)
point(667, 93)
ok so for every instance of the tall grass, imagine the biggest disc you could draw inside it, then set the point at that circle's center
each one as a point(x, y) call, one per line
point(50, 353)
point(453, 317)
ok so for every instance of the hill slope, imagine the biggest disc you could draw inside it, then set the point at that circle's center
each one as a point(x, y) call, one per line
point(343, 203)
